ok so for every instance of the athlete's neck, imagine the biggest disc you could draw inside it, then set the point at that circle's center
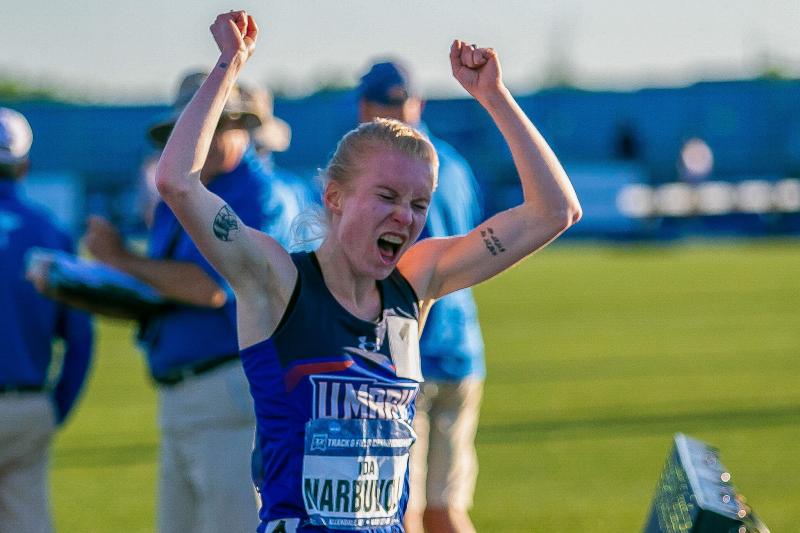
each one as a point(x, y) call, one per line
point(358, 294)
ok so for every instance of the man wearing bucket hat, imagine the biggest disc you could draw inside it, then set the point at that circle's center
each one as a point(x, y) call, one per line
point(31, 407)
point(205, 410)
point(443, 460)
point(291, 194)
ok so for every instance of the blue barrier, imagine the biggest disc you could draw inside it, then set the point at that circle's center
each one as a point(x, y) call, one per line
point(752, 127)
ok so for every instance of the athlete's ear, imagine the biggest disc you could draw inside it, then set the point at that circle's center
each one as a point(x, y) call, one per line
point(332, 197)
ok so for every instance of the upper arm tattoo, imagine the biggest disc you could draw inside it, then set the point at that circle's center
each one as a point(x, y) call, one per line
point(226, 224)
point(491, 241)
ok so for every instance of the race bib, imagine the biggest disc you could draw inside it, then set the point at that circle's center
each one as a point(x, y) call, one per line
point(354, 471)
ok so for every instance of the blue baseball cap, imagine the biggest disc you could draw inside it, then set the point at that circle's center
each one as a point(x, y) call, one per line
point(387, 83)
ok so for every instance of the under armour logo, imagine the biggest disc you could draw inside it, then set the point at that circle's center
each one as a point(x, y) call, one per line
point(369, 346)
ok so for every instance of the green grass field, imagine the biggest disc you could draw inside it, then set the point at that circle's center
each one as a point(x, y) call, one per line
point(596, 356)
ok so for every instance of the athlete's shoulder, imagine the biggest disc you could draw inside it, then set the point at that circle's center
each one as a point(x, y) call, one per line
point(305, 261)
point(405, 291)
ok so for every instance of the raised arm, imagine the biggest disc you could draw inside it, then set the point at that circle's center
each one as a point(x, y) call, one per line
point(255, 265)
point(437, 267)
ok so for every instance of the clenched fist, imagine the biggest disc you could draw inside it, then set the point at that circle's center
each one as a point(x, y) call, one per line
point(235, 33)
point(476, 69)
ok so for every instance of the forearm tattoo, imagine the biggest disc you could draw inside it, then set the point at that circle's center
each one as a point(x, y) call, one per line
point(491, 241)
point(226, 224)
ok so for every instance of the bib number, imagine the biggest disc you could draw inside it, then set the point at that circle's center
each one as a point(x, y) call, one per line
point(354, 471)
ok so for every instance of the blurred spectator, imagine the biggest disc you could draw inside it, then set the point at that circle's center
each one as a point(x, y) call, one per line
point(444, 464)
point(290, 195)
point(30, 406)
point(147, 197)
point(696, 161)
point(626, 142)
point(273, 134)
point(205, 410)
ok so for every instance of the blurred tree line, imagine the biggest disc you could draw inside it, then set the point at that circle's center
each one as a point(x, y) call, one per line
point(14, 90)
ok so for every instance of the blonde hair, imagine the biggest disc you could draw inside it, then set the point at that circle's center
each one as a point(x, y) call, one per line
point(368, 137)
point(355, 147)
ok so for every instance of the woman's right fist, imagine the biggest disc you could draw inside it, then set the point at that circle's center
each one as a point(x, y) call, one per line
point(235, 32)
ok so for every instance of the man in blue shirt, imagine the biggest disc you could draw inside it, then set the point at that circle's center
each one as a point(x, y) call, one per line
point(443, 459)
point(205, 409)
point(291, 194)
point(31, 407)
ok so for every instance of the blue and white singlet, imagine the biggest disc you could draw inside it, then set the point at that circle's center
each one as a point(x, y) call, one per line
point(334, 398)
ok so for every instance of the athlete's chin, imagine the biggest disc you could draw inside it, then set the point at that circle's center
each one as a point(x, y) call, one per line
point(380, 269)
point(380, 272)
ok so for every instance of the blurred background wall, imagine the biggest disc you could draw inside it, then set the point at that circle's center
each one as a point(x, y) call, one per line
point(712, 158)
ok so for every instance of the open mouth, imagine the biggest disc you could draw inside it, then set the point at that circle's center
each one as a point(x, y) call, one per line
point(389, 245)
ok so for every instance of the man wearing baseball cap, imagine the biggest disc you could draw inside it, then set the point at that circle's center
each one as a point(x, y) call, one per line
point(205, 410)
point(443, 460)
point(31, 406)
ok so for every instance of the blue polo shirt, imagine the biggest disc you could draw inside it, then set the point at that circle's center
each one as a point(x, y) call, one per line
point(290, 195)
point(185, 335)
point(30, 322)
point(451, 346)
